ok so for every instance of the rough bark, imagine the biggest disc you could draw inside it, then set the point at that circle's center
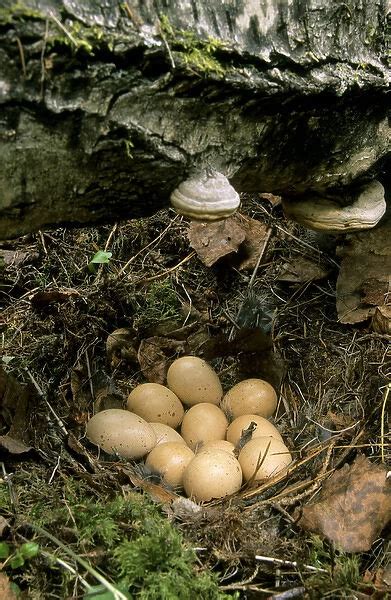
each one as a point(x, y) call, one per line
point(107, 106)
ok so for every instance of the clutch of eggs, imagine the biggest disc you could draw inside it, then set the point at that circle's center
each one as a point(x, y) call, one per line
point(209, 457)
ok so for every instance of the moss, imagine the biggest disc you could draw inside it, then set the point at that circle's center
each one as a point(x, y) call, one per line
point(128, 538)
point(159, 304)
point(18, 11)
point(342, 570)
point(197, 53)
point(72, 33)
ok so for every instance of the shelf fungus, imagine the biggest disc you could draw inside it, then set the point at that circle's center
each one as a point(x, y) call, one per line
point(361, 209)
point(206, 196)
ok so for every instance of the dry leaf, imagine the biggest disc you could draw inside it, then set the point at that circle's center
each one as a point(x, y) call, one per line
point(255, 242)
point(6, 592)
point(213, 240)
point(15, 407)
point(365, 274)
point(381, 320)
point(4, 526)
point(155, 355)
point(274, 200)
point(105, 394)
point(301, 270)
point(353, 508)
point(158, 492)
point(14, 257)
point(121, 347)
point(43, 298)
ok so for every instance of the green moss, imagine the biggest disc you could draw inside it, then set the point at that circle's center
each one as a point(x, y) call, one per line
point(342, 571)
point(128, 538)
point(159, 304)
point(72, 34)
point(198, 54)
point(18, 11)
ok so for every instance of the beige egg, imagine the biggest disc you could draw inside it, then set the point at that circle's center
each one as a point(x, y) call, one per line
point(250, 397)
point(203, 423)
point(263, 428)
point(121, 432)
point(268, 453)
point(156, 404)
point(212, 474)
point(217, 445)
point(165, 433)
point(194, 381)
point(170, 461)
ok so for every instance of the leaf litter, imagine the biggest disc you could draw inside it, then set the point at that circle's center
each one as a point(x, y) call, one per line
point(246, 322)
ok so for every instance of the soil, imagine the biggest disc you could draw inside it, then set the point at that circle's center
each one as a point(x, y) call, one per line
point(59, 312)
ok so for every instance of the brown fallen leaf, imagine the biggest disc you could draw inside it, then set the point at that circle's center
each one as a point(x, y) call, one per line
point(121, 347)
point(271, 198)
point(381, 320)
point(213, 240)
point(14, 258)
point(353, 508)
point(301, 270)
point(4, 526)
point(52, 296)
point(157, 492)
point(105, 394)
point(365, 274)
point(155, 355)
point(15, 405)
point(254, 244)
point(6, 591)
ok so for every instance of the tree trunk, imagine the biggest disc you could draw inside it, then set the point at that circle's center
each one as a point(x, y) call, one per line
point(107, 106)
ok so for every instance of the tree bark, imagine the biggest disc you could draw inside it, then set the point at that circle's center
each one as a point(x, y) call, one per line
point(107, 106)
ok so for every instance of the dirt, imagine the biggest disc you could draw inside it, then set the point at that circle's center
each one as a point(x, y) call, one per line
point(58, 311)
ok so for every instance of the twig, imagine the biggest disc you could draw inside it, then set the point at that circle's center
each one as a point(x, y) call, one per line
point(90, 376)
point(43, 72)
point(297, 592)
point(61, 562)
point(43, 242)
point(159, 275)
point(22, 59)
point(61, 26)
point(332, 430)
point(40, 392)
point(156, 240)
point(106, 584)
point(7, 479)
point(383, 412)
point(288, 563)
point(252, 278)
point(306, 244)
point(167, 48)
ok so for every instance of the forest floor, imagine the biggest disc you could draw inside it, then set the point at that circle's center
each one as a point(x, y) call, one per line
point(78, 524)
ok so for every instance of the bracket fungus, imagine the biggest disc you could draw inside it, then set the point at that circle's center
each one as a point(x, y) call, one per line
point(362, 209)
point(207, 196)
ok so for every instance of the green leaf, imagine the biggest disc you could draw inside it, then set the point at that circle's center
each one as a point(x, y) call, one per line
point(4, 550)
point(17, 561)
point(29, 550)
point(101, 593)
point(101, 258)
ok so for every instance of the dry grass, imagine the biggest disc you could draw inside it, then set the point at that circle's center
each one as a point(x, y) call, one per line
point(335, 379)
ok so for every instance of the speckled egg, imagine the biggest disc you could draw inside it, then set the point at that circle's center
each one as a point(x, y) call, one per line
point(121, 432)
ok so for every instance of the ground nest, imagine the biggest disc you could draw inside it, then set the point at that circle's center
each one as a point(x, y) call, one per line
point(76, 524)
